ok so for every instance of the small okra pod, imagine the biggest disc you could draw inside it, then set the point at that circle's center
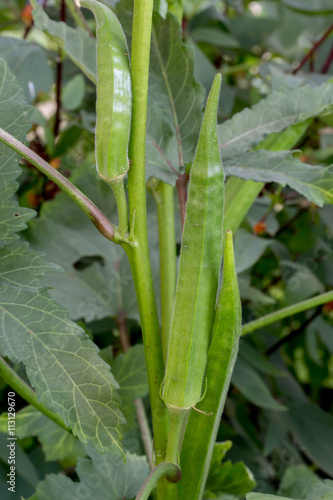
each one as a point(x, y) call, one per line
point(203, 425)
point(200, 260)
point(114, 94)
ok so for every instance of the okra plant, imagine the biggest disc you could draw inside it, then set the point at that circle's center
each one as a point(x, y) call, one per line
point(157, 135)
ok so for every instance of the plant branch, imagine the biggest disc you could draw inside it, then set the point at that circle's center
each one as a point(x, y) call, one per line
point(287, 311)
point(19, 386)
point(293, 334)
point(144, 430)
point(97, 217)
point(59, 75)
point(327, 63)
point(167, 250)
point(313, 49)
point(163, 469)
point(138, 255)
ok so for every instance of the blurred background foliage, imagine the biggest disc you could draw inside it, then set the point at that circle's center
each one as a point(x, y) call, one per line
point(279, 410)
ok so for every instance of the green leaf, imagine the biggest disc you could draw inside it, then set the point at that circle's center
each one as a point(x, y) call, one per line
point(317, 7)
point(62, 363)
point(313, 430)
point(29, 64)
point(215, 36)
point(277, 432)
point(66, 235)
point(256, 359)
point(24, 466)
point(275, 113)
point(301, 483)
point(57, 443)
point(313, 182)
point(73, 93)
point(175, 96)
point(247, 380)
point(15, 120)
point(130, 372)
point(248, 249)
point(76, 43)
point(297, 481)
point(104, 477)
point(227, 478)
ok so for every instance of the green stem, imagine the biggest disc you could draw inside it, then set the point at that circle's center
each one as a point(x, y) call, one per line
point(119, 192)
point(177, 426)
point(139, 254)
point(161, 470)
point(167, 249)
point(287, 311)
point(143, 282)
point(19, 386)
point(97, 217)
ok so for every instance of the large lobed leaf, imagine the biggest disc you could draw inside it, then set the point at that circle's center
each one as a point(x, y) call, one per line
point(14, 119)
point(104, 477)
point(313, 182)
point(273, 114)
point(173, 94)
point(61, 362)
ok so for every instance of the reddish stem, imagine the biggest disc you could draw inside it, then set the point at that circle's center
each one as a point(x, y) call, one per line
point(59, 75)
point(182, 195)
point(327, 63)
point(313, 49)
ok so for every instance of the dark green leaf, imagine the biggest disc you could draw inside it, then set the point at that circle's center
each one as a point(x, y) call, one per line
point(104, 477)
point(227, 478)
point(57, 443)
point(275, 113)
point(29, 64)
point(15, 120)
point(76, 43)
point(313, 182)
point(247, 380)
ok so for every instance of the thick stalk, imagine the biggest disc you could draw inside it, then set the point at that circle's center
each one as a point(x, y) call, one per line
point(20, 387)
point(167, 247)
point(97, 217)
point(287, 311)
point(139, 254)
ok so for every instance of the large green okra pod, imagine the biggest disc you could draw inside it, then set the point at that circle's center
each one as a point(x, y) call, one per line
point(202, 428)
point(114, 94)
point(200, 260)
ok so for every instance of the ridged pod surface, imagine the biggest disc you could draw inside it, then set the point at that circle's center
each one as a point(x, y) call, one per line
point(114, 93)
point(202, 428)
point(200, 260)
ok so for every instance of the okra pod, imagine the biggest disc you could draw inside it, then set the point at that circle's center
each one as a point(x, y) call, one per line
point(202, 426)
point(200, 260)
point(114, 94)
